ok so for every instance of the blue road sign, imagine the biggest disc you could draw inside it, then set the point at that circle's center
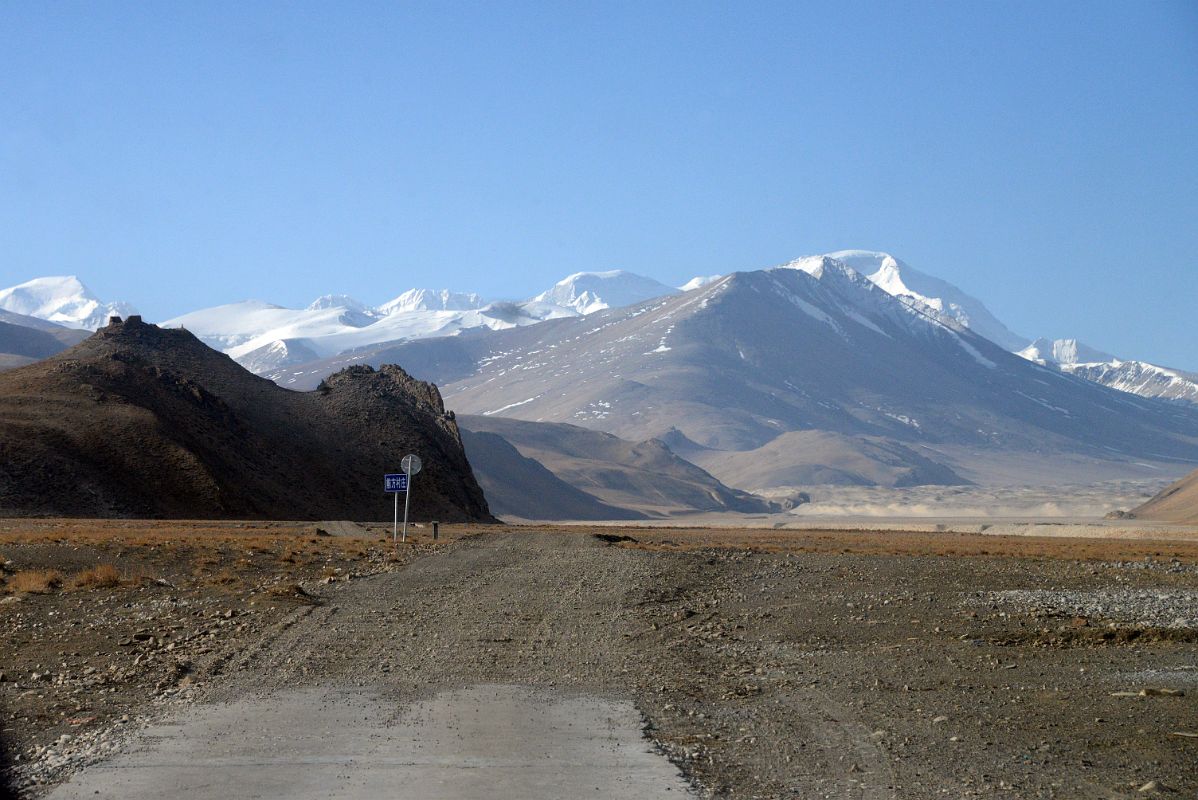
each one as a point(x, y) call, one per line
point(395, 482)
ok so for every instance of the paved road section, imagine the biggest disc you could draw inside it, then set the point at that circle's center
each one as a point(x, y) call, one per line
point(476, 743)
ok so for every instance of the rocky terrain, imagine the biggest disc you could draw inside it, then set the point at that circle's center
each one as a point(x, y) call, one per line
point(103, 622)
point(141, 421)
point(767, 663)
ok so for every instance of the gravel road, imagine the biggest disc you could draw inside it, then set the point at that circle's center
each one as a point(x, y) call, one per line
point(772, 674)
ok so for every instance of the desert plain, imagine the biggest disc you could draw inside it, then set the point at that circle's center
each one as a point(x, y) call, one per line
point(759, 663)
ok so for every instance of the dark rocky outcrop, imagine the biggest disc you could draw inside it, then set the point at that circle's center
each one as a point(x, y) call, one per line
point(142, 421)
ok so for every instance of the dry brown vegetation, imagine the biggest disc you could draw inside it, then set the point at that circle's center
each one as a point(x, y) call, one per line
point(35, 581)
point(101, 576)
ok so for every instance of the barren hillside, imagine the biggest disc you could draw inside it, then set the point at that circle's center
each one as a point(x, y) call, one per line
point(141, 421)
point(1176, 503)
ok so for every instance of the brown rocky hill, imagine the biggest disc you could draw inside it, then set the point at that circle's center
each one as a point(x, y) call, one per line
point(1175, 503)
point(142, 421)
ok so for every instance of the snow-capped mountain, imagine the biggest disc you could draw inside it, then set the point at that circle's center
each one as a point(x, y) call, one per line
point(432, 300)
point(399, 326)
point(588, 292)
point(341, 301)
point(940, 298)
point(271, 339)
point(233, 325)
point(1062, 351)
point(277, 354)
point(923, 291)
point(698, 282)
point(267, 338)
point(723, 372)
point(1139, 378)
point(62, 299)
point(1135, 377)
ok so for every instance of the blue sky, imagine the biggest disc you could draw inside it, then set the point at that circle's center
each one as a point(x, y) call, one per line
point(1042, 156)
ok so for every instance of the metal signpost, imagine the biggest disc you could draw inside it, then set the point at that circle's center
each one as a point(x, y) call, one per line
point(394, 483)
point(410, 464)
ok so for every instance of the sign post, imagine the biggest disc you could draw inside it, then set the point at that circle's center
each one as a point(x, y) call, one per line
point(410, 465)
point(394, 483)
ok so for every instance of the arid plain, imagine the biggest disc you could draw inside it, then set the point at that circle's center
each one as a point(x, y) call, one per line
point(765, 663)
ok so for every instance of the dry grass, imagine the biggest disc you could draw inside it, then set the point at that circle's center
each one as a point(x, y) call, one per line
point(225, 577)
point(101, 576)
point(35, 581)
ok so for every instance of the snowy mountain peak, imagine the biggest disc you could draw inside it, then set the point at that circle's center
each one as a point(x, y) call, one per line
point(918, 290)
point(62, 299)
point(1136, 377)
point(883, 269)
point(698, 282)
point(812, 265)
point(1063, 351)
point(587, 292)
point(338, 301)
point(432, 300)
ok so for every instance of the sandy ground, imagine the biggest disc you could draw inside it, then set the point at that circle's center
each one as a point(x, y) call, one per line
point(765, 663)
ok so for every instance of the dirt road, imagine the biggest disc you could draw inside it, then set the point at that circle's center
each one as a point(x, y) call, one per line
point(783, 674)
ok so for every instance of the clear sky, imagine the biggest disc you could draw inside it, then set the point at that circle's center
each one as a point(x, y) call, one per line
point(1042, 156)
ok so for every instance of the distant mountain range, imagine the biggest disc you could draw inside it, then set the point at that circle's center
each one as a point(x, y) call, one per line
point(272, 341)
point(1134, 377)
point(849, 367)
point(789, 376)
point(588, 292)
point(267, 338)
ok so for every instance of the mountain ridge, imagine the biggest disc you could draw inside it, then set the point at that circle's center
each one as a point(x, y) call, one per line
point(271, 340)
point(754, 355)
point(1131, 376)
